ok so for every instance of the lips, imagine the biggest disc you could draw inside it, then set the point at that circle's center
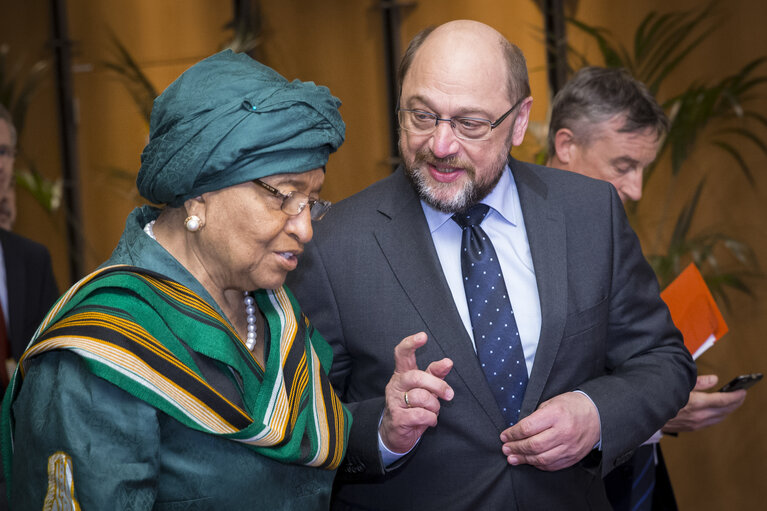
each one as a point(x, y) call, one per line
point(443, 173)
point(289, 259)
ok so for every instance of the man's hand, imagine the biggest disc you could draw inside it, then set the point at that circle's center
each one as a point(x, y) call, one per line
point(705, 408)
point(412, 396)
point(561, 432)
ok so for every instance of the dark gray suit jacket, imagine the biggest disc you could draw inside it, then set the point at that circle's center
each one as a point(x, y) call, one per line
point(31, 287)
point(371, 277)
point(31, 292)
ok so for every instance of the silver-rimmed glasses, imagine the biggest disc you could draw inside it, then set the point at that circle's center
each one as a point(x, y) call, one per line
point(421, 122)
point(293, 203)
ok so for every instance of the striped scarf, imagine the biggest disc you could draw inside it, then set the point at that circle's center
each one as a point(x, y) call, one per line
point(135, 329)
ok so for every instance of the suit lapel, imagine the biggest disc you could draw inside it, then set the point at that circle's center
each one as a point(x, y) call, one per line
point(546, 234)
point(407, 233)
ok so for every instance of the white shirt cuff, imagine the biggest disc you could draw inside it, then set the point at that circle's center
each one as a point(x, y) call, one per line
point(598, 445)
point(388, 457)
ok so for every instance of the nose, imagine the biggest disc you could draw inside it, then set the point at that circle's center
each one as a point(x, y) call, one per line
point(443, 141)
point(631, 187)
point(300, 226)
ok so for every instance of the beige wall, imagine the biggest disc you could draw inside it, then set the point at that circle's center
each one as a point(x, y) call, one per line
point(338, 43)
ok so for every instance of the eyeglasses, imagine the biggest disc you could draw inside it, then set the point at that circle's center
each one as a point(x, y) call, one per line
point(293, 203)
point(421, 122)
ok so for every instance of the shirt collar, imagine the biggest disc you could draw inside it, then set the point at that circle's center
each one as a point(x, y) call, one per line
point(502, 199)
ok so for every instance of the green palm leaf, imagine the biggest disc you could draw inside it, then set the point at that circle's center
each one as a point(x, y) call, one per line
point(46, 192)
point(725, 262)
point(610, 53)
point(132, 76)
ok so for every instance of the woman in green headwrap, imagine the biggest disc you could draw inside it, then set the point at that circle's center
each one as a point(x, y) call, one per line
point(182, 374)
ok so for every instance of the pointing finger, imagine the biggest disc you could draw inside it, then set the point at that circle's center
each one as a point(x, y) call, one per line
point(404, 352)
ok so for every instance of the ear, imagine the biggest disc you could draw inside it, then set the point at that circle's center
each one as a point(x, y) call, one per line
point(520, 121)
point(196, 206)
point(564, 147)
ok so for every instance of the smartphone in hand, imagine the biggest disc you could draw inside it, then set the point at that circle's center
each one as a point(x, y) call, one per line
point(743, 381)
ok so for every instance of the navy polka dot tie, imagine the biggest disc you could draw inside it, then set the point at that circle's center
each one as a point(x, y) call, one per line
point(496, 336)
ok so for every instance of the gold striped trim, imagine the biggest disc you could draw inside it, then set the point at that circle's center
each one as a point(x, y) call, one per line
point(123, 359)
point(60, 494)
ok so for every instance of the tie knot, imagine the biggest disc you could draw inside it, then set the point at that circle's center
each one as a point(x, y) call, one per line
point(472, 216)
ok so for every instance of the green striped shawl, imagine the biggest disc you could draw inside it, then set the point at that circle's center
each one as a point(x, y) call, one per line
point(135, 328)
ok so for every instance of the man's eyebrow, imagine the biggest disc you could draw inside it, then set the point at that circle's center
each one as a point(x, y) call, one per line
point(471, 111)
point(627, 160)
point(417, 99)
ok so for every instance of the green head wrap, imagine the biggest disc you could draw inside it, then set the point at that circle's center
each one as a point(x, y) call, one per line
point(229, 119)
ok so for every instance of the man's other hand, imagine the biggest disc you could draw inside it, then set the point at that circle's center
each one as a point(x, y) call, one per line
point(561, 432)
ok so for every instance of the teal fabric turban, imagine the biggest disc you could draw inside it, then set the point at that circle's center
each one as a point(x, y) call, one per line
point(229, 119)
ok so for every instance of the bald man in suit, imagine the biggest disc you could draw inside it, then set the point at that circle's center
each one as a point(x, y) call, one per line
point(601, 364)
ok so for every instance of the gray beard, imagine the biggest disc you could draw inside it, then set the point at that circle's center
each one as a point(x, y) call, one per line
point(470, 195)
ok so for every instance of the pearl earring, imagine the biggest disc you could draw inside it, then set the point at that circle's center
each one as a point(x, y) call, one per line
point(193, 223)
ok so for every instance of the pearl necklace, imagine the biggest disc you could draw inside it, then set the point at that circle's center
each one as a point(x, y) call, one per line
point(250, 302)
point(250, 311)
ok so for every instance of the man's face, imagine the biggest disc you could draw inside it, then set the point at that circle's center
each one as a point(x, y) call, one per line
point(449, 173)
point(7, 192)
point(619, 158)
point(7, 152)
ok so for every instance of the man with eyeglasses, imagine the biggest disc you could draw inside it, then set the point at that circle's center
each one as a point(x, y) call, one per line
point(27, 285)
point(536, 352)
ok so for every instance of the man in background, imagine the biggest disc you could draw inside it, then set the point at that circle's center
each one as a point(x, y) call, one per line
point(606, 125)
point(537, 353)
point(27, 285)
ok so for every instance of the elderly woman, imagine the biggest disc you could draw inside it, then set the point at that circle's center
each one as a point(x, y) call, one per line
point(182, 374)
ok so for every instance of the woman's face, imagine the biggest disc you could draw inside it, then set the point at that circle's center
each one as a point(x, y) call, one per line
point(247, 241)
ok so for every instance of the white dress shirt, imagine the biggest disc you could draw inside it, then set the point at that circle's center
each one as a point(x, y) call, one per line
point(505, 226)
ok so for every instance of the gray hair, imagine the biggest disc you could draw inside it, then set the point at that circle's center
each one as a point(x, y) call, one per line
point(595, 95)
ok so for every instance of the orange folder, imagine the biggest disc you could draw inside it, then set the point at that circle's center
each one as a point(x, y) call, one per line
point(694, 311)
